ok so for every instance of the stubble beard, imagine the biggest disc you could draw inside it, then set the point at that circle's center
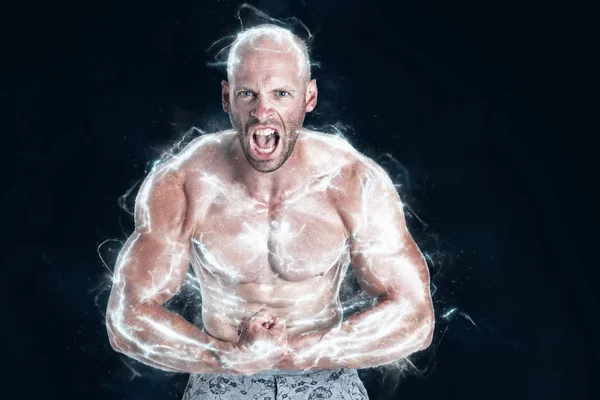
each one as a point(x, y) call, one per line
point(287, 142)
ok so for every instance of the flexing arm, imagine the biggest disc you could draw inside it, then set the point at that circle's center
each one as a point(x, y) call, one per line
point(149, 271)
point(389, 267)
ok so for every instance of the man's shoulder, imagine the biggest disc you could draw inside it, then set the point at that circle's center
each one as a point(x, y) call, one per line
point(201, 153)
point(344, 158)
point(331, 149)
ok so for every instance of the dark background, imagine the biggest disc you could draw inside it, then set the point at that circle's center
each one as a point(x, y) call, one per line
point(490, 106)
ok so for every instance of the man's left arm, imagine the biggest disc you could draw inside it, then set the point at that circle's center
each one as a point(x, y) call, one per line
point(389, 267)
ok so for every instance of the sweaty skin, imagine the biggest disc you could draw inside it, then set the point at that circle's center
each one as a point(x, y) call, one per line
point(269, 238)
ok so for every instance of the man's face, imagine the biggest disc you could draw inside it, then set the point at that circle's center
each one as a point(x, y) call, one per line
point(267, 98)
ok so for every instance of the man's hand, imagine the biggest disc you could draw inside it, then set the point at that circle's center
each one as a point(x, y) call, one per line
point(262, 342)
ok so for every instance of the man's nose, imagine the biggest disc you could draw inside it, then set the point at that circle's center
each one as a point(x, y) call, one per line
point(263, 109)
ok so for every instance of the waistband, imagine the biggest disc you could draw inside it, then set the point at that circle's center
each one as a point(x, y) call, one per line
point(272, 372)
point(275, 372)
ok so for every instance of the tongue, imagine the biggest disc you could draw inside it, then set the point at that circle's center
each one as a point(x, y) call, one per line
point(264, 142)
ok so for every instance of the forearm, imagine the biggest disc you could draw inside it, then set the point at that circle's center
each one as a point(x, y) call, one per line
point(389, 331)
point(151, 334)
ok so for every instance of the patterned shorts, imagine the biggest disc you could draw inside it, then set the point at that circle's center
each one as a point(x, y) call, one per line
point(339, 384)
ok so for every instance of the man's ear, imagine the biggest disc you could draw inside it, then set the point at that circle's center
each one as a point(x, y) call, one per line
point(225, 96)
point(311, 95)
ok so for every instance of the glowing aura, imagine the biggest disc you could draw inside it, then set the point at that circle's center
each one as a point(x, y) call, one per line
point(160, 344)
point(374, 327)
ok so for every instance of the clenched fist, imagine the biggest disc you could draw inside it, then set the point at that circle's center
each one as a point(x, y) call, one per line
point(262, 340)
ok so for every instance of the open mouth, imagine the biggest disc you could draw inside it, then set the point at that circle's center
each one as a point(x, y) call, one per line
point(265, 142)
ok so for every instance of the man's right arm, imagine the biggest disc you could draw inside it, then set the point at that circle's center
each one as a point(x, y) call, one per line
point(149, 271)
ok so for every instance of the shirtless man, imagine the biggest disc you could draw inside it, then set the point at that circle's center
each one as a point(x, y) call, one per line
point(270, 215)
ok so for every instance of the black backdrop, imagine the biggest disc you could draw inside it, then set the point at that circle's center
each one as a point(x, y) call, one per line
point(491, 108)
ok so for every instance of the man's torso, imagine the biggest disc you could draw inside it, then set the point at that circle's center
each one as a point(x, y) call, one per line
point(287, 254)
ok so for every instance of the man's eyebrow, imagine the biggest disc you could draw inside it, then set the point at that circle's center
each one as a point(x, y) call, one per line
point(285, 89)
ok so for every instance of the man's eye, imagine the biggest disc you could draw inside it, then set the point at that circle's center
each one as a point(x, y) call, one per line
point(245, 93)
point(282, 93)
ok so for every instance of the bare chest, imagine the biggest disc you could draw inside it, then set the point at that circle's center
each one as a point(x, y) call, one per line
point(241, 241)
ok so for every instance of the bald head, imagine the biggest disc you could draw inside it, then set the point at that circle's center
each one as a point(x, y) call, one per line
point(269, 39)
point(269, 91)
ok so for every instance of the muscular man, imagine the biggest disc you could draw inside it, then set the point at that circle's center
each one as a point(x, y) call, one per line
point(270, 215)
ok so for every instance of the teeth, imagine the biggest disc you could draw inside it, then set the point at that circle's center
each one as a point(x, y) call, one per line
point(264, 132)
point(267, 150)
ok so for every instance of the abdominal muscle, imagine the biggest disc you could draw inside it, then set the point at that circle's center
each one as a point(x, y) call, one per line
point(307, 306)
